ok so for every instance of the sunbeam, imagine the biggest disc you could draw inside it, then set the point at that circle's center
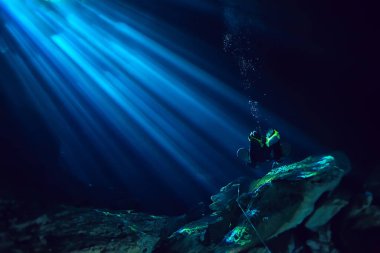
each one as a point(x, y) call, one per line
point(110, 92)
point(124, 96)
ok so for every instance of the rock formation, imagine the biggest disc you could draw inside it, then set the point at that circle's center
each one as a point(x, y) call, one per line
point(293, 208)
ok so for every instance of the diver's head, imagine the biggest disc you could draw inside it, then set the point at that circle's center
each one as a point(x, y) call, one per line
point(254, 135)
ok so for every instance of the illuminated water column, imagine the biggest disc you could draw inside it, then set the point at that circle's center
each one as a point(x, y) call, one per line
point(111, 89)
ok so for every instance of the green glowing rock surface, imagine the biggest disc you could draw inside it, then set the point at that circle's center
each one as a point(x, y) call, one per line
point(273, 204)
point(239, 235)
point(192, 230)
point(307, 168)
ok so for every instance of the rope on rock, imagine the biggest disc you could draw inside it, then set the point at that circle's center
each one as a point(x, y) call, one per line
point(250, 222)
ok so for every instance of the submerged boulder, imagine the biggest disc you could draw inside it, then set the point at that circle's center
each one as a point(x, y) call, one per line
point(245, 219)
point(70, 229)
point(288, 210)
point(358, 225)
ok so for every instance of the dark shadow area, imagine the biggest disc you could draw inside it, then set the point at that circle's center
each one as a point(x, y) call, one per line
point(318, 69)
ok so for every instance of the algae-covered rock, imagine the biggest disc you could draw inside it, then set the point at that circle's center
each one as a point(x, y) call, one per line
point(188, 238)
point(324, 213)
point(358, 227)
point(225, 197)
point(284, 197)
point(277, 202)
point(69, 229)
point(248, 216)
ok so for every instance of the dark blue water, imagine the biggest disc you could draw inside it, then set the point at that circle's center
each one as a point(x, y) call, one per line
point(314, 80)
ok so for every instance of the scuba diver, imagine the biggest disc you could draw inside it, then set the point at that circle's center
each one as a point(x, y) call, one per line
point(262, 148)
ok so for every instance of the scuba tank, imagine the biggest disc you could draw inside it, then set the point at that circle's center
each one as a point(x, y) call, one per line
point(272, 137)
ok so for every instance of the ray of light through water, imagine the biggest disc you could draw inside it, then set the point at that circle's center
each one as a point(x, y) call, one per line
point(122, 96)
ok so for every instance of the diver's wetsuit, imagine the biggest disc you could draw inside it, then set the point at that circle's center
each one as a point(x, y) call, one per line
point(257, 152)
point(276, 152)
